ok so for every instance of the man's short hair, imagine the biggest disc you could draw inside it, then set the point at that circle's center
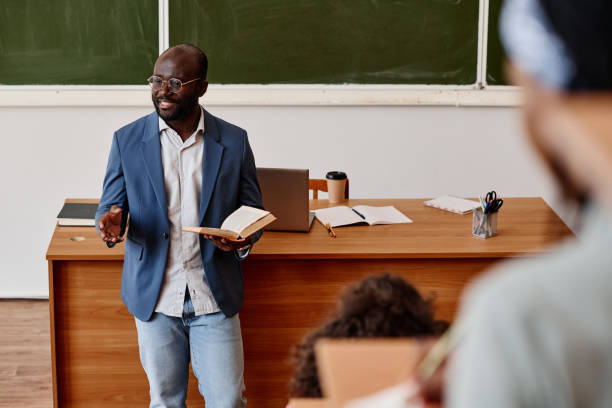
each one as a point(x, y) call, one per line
point(201, 55)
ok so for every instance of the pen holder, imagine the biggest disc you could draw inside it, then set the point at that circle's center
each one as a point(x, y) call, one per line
point(484, 225)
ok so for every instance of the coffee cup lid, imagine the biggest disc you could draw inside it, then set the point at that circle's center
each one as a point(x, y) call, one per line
point(335, 175)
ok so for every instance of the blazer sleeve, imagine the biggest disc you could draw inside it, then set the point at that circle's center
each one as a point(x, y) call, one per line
point(250, 193)
point(113, 190)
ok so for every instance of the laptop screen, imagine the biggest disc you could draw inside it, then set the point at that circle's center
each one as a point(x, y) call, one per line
point(285, 194)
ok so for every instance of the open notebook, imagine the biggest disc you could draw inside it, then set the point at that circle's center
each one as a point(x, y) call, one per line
point(360, 214)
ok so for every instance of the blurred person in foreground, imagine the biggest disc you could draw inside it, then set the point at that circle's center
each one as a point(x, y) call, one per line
point(377, 306)
point(538, 332)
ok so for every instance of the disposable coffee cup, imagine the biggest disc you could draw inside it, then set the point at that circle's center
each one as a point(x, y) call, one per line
point(336, 183)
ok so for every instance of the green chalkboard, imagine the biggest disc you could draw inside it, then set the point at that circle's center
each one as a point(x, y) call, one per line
point(89, 42)
point(495, 51)
point(332, 41)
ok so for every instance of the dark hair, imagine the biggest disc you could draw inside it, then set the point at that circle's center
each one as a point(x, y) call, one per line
point(377, 306)
point(585, 29)
point(201, 55)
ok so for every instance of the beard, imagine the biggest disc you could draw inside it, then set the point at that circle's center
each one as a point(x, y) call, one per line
point(182, 109)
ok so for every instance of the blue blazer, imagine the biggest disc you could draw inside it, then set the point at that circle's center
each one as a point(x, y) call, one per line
point(134, 181)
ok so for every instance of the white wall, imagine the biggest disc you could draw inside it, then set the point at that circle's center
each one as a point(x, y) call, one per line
point(49, 154)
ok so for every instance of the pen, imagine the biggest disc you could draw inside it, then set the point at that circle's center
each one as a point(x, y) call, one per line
point(434, 358)
point(482, 204)
point(330, 230)
point(358, 213)
point(440, 351)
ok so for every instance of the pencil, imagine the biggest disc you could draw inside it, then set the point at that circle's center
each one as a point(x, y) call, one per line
point(330, 230)
point(440, 351)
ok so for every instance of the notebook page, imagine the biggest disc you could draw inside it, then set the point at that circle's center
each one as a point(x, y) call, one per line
point(337, 216)
point(242, 217)
point(382, 215)
point(404, 395)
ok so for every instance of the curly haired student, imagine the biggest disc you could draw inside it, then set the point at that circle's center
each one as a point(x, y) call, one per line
point(377, 306)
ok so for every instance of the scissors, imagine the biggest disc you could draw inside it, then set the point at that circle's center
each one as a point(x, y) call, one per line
point(493, 204)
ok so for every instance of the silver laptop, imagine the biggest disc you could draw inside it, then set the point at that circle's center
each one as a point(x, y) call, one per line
point(285, 194)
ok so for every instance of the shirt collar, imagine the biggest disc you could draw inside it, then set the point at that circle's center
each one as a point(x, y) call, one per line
point(163, 125)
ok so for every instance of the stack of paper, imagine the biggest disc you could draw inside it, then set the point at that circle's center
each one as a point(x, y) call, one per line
point(453, 204)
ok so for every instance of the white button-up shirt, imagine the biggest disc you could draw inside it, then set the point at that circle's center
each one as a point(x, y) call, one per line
point(182, 164)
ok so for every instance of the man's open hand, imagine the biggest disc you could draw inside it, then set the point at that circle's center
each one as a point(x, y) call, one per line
point(110, 225)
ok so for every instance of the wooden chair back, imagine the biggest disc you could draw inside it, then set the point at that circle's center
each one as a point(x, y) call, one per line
point(317, 185)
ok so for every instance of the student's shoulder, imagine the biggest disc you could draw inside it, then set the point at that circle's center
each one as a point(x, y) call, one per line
point(530, 288)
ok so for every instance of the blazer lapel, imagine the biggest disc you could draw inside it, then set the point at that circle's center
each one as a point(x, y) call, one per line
point(151, 155)
point(213, 152)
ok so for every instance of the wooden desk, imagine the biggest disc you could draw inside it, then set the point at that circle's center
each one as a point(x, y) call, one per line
point(291, 282)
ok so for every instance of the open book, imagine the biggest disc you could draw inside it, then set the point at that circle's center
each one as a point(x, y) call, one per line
point(360, 214)
point(238, 225)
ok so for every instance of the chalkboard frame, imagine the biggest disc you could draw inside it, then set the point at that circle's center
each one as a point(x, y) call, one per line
point(477, 94)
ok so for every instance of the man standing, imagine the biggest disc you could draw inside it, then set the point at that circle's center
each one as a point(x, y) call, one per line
point(181, 166)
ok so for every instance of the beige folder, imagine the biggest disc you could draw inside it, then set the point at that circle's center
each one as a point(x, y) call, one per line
point(354, 368)
point(308, 403)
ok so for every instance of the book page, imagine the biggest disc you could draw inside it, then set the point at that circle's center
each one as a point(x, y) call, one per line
point(257, 225)
point(242, 218)
point(212, 231)
point(382, 215)
point(338, 216)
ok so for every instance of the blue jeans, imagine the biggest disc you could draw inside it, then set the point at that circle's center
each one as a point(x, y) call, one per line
point(213, 343)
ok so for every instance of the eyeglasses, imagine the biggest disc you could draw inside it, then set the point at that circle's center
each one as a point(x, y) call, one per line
point(174, 84)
